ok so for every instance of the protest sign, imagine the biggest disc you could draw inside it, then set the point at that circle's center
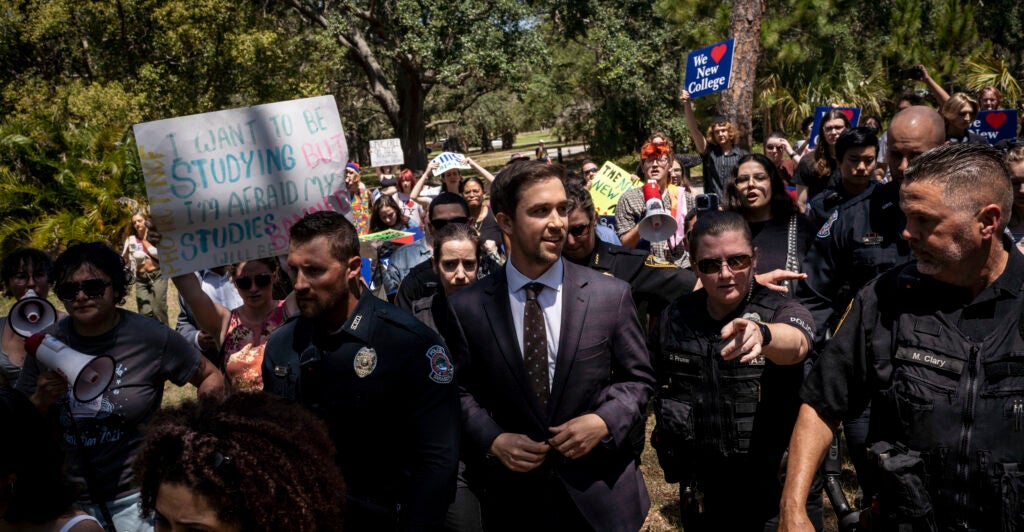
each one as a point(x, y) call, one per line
point(227, 186)
point(386, 152)
point(995, 125)
point(401, 237)
point(852, 114)
point(608, 185)
point(709, 70)
point(448, 160)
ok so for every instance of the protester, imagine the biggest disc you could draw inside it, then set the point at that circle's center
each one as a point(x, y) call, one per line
point(856, 151)
point(102, 437)
point(35, 494)
point(386, 214)
point(240, 333)
point(541, 153)
point(717, 149)
point(481, 219)
point(451, 181)
point(22, 270)
point(252, 462)
point(782, 155)
point(360, 198)
point(990, 99)
point(959, 111)
point(589, 170)
point(729, 365)
point(781, 234)
point(553, 446)
point(813, 174)
point(931, 344)
point(141, 253)
point(381, 380)
point(217, 283)
point(410, 208)
point(388, 180)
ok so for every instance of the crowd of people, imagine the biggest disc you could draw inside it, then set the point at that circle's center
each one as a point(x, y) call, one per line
point(497, 373)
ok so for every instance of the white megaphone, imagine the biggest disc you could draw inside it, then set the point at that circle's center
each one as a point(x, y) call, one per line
point(89, 376)
point(658, 224)
point(31, 314)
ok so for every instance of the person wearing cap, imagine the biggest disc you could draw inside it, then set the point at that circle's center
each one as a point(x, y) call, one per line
point(718, 149)
point(359, 198)
point(541, 153)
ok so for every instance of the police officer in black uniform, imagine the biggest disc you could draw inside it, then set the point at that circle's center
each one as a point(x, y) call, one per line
point(728, 359)
point(935, 345)
point(857, 153)
point(654, 283)
point(380, 379)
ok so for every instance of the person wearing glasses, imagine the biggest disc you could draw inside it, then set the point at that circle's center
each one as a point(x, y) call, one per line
point(102, 437)
point(589, 171)
point(728, 360)
point(816, 172)
point(240, 333)
point(22, 270)
point(780, 232)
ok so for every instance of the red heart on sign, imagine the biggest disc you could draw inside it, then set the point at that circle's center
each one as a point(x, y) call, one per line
point(848, 113)
point(718, 51)
point(995, 119)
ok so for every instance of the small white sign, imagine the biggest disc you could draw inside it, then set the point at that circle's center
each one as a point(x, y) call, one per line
point(448, 160)
point(386, 152)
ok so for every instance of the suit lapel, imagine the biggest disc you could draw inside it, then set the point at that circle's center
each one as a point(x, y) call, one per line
point(499, 317)
point(575, 300)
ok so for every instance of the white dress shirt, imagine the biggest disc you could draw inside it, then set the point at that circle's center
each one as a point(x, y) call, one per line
point(550, 300)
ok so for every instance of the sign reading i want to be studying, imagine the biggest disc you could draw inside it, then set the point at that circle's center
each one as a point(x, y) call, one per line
point(995, 125)
point(227, 186)
point(709, 70)
point(386, 152)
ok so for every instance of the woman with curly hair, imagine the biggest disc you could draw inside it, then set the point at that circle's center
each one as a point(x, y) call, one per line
point(21, 270)
point(253, 462)
point(140, 251)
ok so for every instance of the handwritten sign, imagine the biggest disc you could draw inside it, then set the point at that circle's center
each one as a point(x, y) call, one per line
point(227, 186)
point(709, 70)
point(995, 125)
point(608, 186)
point(852, 114)
point(447, 161)
point(386, 152)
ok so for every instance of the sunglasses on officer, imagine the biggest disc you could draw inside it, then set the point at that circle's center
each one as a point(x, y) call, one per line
point(736, 263)
point(262, 280)
point(92, 288)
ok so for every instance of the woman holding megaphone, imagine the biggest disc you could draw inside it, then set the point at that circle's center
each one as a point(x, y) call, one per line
point(101, 436)
point(22, 271)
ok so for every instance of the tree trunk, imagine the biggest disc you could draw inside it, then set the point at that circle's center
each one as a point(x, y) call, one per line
point(411, 123)
point(738, 102)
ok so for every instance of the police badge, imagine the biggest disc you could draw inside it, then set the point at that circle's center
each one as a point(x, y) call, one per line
point(365, 361)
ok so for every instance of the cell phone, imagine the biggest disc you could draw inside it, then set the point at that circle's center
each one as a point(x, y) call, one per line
point(912, 73)
point(707, 202)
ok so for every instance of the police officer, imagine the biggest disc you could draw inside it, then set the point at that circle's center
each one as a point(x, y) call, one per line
point(728, 362)
point(856, 150)
point(380, 379)
point(654, 283)
point(934, 344)
point(861, 240)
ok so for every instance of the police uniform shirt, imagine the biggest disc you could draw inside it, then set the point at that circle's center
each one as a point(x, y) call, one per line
point(830, 199)
point(652, 282)
point(946, 375)
point(384, 386)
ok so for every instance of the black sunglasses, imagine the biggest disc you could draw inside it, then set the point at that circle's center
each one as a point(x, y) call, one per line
point(438, 224)
point(578, 230)
point(736, 263)
point(591, 171)
point(92, 288)
point(262, 281)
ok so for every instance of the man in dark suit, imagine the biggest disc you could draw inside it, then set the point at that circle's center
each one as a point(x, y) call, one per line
point(553, 372)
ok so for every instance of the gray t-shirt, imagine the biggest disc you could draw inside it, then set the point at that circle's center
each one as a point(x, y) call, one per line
point(110, 429)
point(8, 370)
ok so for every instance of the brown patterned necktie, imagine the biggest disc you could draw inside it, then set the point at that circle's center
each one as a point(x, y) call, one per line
point(535, 344)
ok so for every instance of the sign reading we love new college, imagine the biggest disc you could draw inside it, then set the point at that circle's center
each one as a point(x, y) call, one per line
point(995, 125)
point(709, 69)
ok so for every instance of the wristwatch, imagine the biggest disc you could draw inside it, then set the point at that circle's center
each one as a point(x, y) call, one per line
point(766, 334)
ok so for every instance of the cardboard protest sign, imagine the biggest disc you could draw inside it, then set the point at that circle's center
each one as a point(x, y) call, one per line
point(386, 152)
point(448, 160)
point(995, 125)
point(609, 184)
point(852, 114)
point(227, 186)
point(401, 237)
point(709, 70)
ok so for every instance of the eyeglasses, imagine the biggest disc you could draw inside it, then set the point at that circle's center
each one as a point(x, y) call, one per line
point(262, 280)
point(439, 224)
point(773, 147)
point(590, 171)
point(578, 230)
point(759, 177)
point(92, 288)
point(736, 263)
point(21, 278)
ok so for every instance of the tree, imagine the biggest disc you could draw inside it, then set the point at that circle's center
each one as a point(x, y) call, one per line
point(405, 49)
point(738, 101)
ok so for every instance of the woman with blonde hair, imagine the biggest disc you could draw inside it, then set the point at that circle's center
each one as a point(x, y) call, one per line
point(958, 112)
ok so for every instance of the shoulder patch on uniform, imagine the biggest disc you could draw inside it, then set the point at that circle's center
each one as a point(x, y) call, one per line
point(441, 369)
point(365, 362)
point(655, 262)
point(826, 229)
